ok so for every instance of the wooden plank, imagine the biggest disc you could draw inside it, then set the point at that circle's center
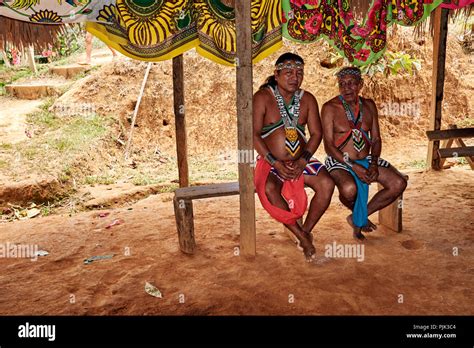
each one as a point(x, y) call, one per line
point(445, 145)
point(440, 23)
point(469, 159)
point(180, 121)
point(450, 133)
point(456, 152)
point(391, 215)
point(206, 191)
point(245, 125)
point(183, 212)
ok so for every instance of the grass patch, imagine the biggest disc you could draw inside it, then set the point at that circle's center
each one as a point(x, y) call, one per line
point(168, 188)
point(6, 146)
point(99, 180)
point(43, 118)
point(4, 164)
point(466, 123)
point(418, 164)
point(79, 133)
point(143, 180)
point(55, 149)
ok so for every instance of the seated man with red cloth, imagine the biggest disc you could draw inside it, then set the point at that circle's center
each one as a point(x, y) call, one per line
point(281, 111)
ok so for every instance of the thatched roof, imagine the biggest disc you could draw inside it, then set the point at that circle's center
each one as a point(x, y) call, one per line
point(24, 33)
point(463, 14)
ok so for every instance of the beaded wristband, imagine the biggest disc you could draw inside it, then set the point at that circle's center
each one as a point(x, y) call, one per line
point(270, 158)
point(306, 155)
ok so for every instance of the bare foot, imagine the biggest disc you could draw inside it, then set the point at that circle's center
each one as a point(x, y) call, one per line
point(358, 236)
point(367, 228)
point(305, 243)
point(356, 231)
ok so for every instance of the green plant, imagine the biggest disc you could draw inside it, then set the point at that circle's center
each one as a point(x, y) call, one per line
point(393, 63)
point(68, 42)
point(401, 62)
point(99, 180)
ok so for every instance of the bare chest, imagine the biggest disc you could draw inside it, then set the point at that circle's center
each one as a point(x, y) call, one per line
point(273, 113)
point(342, 123)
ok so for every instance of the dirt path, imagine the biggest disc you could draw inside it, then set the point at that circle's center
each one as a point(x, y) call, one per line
point(13, 118)
point(413, 272)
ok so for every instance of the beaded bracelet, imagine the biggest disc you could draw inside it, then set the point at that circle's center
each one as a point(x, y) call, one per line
point(270, 158)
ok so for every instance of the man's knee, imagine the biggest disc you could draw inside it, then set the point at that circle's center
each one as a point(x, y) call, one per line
point(326, 185)
point(272, 190)
point(348, 192)
point(399, 185)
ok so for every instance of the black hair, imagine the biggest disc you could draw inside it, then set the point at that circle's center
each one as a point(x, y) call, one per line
point(270, 81)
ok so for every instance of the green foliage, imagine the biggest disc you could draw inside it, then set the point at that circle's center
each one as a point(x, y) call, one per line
point(68, 42)
point(393, 63)
point(400, 62)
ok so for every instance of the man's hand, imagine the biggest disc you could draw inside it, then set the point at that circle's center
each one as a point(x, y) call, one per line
point(285, 171)
point(298, 166)
point(372, 172)
point(361, 172)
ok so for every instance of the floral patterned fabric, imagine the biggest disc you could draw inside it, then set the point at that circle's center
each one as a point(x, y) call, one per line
point(307, 21)
point(162, 29)
point(52, 11)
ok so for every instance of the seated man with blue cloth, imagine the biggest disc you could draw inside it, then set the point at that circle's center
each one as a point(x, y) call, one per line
point(353, 144)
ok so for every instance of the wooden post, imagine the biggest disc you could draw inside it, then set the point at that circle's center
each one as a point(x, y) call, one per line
point(183, 213)
point(392, 215)
point(245, 127)
point(180, 121)
point(439, 59)
point(31, 59)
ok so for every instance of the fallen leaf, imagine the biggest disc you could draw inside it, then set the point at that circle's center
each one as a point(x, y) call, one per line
point(152, 290)
point(31, 213)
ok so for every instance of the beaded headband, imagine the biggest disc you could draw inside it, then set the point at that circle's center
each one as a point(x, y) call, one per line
point(343, 72)
point(296, 65)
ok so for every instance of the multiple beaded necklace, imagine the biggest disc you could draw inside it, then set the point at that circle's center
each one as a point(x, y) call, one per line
point(356, 124)
point(290, 115)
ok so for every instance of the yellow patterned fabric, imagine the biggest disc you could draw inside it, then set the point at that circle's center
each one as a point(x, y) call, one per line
point(217, 34)
point(158, 30)
point(147, 30)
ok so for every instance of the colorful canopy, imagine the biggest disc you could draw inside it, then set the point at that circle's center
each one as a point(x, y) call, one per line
point(156, 30)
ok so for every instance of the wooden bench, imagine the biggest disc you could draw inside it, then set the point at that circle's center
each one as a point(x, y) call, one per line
point(183, 209)
point(449, 136)
point(390, 216)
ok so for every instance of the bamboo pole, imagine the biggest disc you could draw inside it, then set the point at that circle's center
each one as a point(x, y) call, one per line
point(137, 107)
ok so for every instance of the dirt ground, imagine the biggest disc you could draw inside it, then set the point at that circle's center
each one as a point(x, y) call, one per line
point(426, 269)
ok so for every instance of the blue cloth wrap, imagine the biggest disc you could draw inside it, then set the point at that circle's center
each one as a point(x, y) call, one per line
point(359, 213)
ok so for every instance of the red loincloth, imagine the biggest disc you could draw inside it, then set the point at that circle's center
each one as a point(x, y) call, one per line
point(292, 191)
